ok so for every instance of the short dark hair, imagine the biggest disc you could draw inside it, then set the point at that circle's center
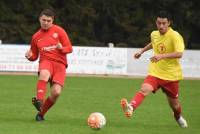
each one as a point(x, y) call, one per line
point(48, 12)
point(164, 14)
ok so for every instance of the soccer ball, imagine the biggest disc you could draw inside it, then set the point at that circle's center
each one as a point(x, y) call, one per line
point(96, 120)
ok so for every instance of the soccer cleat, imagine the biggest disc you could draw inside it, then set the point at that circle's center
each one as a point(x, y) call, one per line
point(182, 122)
point(127, 108)
point(39, 117)
point(37, 103)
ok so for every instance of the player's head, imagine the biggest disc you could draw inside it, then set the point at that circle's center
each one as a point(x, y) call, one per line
point(163, 20)
point(46, 18)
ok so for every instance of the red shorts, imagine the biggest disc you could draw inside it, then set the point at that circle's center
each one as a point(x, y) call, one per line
point(171, 88)
point(57, 71)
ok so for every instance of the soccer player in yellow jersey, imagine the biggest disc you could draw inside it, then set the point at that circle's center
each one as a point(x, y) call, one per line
point(164, 70)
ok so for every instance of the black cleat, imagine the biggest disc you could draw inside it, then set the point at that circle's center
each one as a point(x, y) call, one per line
point(39, 117)
point(37, 103)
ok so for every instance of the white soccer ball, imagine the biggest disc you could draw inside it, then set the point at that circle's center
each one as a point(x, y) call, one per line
point(96, 120)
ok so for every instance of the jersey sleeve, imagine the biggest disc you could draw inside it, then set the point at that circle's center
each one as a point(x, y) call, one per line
point(66, 43)
point(34, 50)
point(178, 43)
point(152, 35)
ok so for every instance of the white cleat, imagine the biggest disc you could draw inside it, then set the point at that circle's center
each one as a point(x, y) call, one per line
point(182, 122)
point(126, 107)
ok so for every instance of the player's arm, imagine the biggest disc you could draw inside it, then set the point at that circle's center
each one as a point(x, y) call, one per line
point(146, 48)
point(158, 57)
point(172, 55)
point(65, 44)
point(33, 52)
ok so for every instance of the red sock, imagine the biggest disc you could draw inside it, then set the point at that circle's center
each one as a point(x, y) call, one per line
point(177, 112)
point(41, 89)
point(46, 106)
point(137, 100)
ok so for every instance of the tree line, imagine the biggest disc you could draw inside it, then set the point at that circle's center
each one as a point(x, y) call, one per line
point(126, 23)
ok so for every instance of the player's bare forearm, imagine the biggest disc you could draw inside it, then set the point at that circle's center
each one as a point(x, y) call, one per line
point(146, 48)
point(158, 57)
point(172, 55)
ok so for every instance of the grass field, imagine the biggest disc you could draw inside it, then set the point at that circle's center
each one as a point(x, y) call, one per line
point(84, 95)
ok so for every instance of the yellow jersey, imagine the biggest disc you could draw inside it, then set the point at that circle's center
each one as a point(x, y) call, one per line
point(168, 68)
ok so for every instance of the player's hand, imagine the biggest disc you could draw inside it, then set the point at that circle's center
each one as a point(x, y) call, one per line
point(156, 58)
point(137, 55)
point(28, 54)
point(59, 46)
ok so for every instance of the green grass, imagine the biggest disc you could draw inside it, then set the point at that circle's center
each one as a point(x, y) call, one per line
point(84, 95)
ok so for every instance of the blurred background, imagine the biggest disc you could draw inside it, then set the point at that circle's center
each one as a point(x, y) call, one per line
point(126, 23)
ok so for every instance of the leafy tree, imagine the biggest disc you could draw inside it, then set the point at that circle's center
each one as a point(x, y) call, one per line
point(126, 23)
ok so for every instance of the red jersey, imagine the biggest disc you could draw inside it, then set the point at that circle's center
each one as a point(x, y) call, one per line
point(44, 44)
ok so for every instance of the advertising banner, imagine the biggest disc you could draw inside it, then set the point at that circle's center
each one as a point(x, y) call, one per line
point(96, 60)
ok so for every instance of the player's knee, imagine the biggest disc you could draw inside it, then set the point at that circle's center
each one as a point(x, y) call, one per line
point(56, 91)
point(55, 95)
point(146, 89)
point(144, 92)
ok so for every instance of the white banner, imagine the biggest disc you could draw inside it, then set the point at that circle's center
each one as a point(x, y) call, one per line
point(86, 60)
point(96, 60)
point(12, 58)
point(191, 63)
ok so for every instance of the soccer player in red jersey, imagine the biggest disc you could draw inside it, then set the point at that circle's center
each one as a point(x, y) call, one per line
point(51, 44)
point(164, 70)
